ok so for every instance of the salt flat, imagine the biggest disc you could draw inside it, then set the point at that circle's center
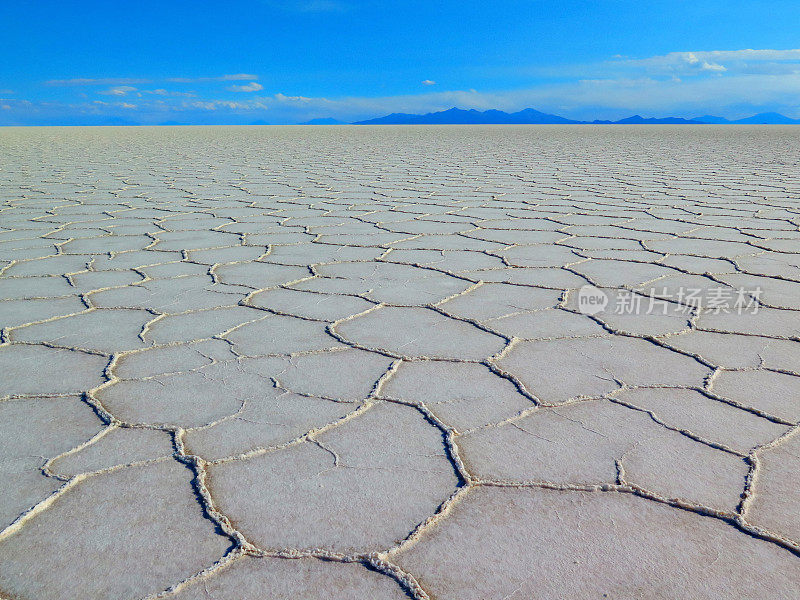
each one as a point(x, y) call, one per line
point(343, 362)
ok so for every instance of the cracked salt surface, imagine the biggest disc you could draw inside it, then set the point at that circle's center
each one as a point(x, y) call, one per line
point(234, 368)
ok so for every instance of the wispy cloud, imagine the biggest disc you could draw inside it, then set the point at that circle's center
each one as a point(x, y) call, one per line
point(120, 90)
point(232, 77)
point(238, 77)
point(126, 105)
point(253, 86)
point(717, 61)
point(428, 82)
point(163, 92)
point(101, 81)
point(127, 81)
point(226, 104)
point(297, 99)
point(722, 55)
point(129, 90)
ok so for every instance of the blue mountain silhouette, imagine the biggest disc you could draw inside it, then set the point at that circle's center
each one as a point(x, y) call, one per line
point(459, 116)
point(530, 116)
point(769, 118)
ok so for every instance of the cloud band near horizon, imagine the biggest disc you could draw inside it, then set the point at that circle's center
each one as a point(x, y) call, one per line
point(729, 83)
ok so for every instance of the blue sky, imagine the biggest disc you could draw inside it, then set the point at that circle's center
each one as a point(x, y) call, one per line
point(244, 61)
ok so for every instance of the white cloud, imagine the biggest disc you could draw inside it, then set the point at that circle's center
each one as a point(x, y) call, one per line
point(163, 92)
point(253, 86)
point(202, 105)
point(749, 54)
point(128, 81)
point(707, 66)
point(224, 104)
point(120, 90)
point(428, 82)
point(238, 77)
point(126, 90)
point(297, 99)
point(103, 81)
point(127, 105)
point(715, 61)
point(231, 77)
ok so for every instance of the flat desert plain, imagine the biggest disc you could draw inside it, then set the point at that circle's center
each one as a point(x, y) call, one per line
point(388, 362)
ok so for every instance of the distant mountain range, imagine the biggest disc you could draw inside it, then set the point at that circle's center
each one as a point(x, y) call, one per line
point(530, 116)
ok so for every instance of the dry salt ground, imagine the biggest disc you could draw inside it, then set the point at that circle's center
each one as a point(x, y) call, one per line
point(355, 362)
